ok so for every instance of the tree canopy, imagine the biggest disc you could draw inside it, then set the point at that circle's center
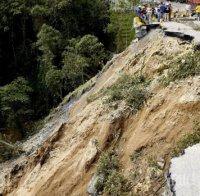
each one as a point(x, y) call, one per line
point(47, 49)
point(15, 102)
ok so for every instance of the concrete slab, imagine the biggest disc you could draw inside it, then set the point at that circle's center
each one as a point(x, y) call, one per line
point(182, 30)
point(185, 173)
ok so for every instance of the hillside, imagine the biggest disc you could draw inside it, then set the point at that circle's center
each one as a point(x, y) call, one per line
point(138, 131)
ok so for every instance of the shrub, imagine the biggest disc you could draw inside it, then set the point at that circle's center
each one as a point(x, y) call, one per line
point(107, 163)
point(100, 184)
point(129, 88)
point(188, 140)
point(135, 156)
point(135, 97)
point(189, 66)
point(152, 162)
point(113, 183)
point(92, 97)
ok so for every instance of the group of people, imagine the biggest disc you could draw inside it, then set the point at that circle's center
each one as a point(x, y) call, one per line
point(190, 11)
point(159, 12)
point(147, 14)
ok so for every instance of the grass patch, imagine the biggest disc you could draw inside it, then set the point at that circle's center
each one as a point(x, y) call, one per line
point(136, 154)
point(188, 140)
point(131, 89)
point(117, 184)
point(113, 183)
point(79, 91)
point(183, 68)
point(152, 162)
point(93, 97)
point(107, 163)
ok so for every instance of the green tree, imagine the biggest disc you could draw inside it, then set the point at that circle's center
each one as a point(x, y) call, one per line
point(49, 43)
point(82, 58)
point(36, 43)
point(14, 101)
point(79, 17)
point(93, 51)
point(54, 82)
point(48, 39)
point(74, 68)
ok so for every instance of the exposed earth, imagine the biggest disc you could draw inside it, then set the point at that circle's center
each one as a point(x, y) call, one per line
point(62, 159)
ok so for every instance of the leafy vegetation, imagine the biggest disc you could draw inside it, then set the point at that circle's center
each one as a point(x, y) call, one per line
point(107, 163)
point(114, 182)
point(120, 28)
point(187, 140)
point(183, 67)
point(93, 97)
point(131, 89)
point(55, 46)
point(135, 156)
point(48, 49)
point(15, 102)
point(152, 162)
point(8, 150)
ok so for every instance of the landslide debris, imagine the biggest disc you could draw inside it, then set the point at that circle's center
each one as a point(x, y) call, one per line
point(66, 162)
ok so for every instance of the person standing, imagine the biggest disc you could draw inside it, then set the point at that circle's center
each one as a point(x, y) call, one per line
point(162, 11)
point(158, 13)
point(167, 11)
point(144, 14)
point(140, 27)
point(149, 14)
point(198, 12)
point(138, 10)
point(188, 9)
point(170, 11)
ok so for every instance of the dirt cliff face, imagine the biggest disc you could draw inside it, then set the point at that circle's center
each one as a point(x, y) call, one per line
point(66, 162)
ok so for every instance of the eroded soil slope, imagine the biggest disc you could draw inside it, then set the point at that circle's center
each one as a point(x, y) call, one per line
point(93, 127)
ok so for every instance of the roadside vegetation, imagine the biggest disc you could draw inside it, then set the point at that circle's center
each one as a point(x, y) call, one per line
point(136, 155)
point(183, 68)
point(93, 97)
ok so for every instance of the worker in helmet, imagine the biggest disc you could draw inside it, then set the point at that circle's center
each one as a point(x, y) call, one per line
point(140, 27)
point(198, 12)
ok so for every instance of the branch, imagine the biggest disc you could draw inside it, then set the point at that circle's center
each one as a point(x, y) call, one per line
point(7, 144)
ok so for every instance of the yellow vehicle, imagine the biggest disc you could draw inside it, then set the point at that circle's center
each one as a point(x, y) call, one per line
point(198, 12)
point(197, 9)
point(138, 22)
point(140, 27)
